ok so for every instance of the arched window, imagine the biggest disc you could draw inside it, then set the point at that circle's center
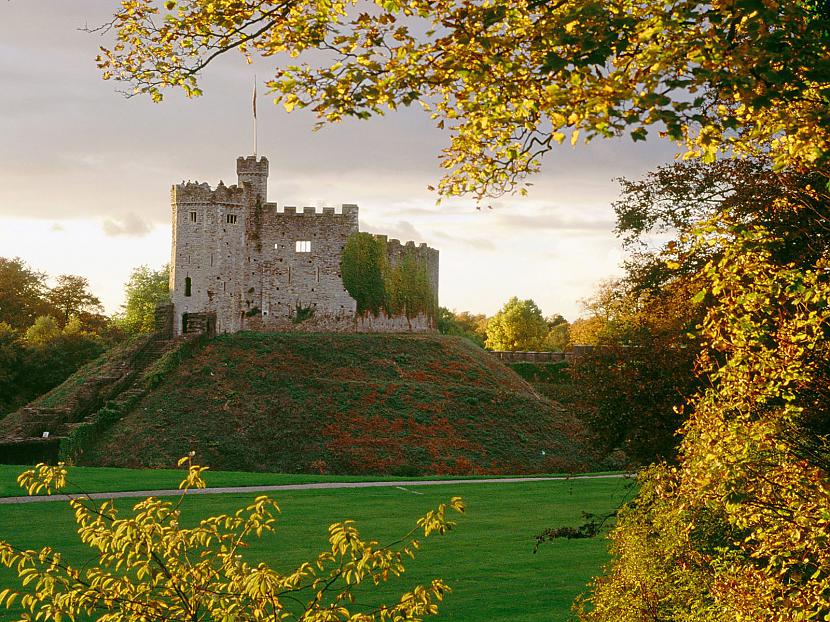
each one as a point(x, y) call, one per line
point(187, 285)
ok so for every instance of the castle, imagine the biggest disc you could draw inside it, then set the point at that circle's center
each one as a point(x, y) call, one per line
point(240, 263)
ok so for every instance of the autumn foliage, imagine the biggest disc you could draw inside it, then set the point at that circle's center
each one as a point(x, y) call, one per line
point(148, 566)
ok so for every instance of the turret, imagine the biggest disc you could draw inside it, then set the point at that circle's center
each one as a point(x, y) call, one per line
point(254, 172)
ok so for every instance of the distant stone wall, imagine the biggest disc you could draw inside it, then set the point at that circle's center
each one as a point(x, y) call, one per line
point(541, 357)
point(421, 323)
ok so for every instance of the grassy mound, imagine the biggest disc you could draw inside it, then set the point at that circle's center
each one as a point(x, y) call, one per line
point(328, 403)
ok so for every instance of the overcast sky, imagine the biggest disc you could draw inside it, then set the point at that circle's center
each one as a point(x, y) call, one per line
point(85, 174)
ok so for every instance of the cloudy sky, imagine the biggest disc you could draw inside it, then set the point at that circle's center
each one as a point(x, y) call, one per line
point(85, 174)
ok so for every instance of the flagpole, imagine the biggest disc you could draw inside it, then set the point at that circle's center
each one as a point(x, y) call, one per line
point(254, 104)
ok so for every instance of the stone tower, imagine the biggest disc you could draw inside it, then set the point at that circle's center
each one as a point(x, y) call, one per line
point(253, 171)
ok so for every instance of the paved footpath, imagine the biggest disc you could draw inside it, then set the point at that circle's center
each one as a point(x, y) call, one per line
point(172, 492)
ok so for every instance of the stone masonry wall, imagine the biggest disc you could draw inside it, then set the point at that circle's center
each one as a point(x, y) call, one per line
point(298, 266)
point(208, 253)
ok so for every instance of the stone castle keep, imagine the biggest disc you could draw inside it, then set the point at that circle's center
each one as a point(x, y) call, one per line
point(240, 263)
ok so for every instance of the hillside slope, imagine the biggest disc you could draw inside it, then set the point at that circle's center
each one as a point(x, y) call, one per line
point(360, 403)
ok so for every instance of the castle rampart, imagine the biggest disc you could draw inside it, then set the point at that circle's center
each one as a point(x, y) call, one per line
point(258, 267)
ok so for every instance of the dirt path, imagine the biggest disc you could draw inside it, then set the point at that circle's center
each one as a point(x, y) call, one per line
point(172, 492)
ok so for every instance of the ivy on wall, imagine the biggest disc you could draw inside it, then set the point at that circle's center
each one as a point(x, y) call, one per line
point(377, 285)
point(407, 288)
point(362, 265)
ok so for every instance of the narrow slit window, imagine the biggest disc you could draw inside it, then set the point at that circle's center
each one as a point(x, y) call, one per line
point(187, 285)
point(230, 219)
point(192, 216)
point(317, 274)
point(303, 246)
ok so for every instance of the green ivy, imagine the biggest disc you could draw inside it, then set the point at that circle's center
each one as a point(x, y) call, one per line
point(377, 285)
point(407, 288)
point(362, 265)
point(301, 314)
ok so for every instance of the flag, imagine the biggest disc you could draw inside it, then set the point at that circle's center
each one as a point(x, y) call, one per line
point(254, 98)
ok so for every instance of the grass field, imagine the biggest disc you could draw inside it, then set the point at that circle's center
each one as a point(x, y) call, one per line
point(488, 560)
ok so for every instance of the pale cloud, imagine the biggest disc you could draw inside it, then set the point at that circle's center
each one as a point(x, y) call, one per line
point(482, 244)
point(555, 220)
point(130, 225)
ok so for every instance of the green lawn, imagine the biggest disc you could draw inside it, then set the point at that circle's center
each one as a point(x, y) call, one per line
point(106, 479)
point(488, 560)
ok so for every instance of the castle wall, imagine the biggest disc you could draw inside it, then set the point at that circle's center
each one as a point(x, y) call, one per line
point(257, 267)
point(293, 264)
point(208, 253)
point(343, 324)
point(426, 256)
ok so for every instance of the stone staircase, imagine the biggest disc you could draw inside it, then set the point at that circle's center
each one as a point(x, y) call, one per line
point(34, 433)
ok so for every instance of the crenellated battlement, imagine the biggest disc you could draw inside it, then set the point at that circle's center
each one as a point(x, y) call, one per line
point(252, 164)
point(396, 247)
point(290, 210)
point(253, 173)
point(201, 192)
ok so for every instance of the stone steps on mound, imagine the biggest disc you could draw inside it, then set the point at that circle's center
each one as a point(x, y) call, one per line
point(82, 406)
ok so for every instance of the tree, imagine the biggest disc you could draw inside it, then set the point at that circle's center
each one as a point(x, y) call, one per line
point(509, 80)
point(668, 203)
point(11, 353)
point(641, 371)
point(463, 324)
point(71, 297)
point(44, 356)
point(145, 289)
point(519, 325)
point(148, 566)
point(647, 322)
point(43, 331)
point(22, 293)
point(558, 333)
point(585, 331)
point(50, 354)
point(738, 530)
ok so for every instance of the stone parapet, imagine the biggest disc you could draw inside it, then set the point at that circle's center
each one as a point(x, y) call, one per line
point(201, 193)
